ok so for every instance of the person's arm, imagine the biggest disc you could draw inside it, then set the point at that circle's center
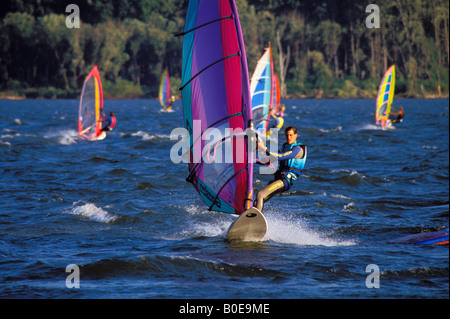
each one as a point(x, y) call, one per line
point(281, 157)
point(286, 155)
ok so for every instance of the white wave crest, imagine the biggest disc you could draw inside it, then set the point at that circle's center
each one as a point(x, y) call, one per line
point(149, 136)
point(93, 213)
point(283, 229)
point(63, 137)
point(337, 129)
point(5, 144)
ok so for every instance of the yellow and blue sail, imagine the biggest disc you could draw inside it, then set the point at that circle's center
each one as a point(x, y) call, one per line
point(385, 97)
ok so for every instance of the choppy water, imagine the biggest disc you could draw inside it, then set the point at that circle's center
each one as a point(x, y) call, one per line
point(122, 212)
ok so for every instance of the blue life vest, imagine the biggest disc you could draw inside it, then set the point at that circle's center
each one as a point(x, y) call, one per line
point(294, 165)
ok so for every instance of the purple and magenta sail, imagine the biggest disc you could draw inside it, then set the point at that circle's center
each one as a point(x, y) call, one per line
point(216, 102)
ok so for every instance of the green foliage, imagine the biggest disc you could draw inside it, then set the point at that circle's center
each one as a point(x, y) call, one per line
point(332, 52)
point(120, 89)
point(113, 37)
point(175, 84)
point(22, 22)
point(347, 90)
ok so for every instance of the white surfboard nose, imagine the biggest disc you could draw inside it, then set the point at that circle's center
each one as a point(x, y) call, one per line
point(251, 225)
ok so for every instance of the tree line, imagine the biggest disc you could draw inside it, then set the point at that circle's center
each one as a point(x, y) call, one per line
point(320, 48)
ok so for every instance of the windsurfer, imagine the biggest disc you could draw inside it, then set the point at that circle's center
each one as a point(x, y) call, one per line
point(172, 101)
point(292, 158)
point(278, 121)
point(281, 112)
point(399, 113)
point(110, 122)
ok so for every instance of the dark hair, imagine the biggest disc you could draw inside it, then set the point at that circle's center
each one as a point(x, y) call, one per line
point(293, 128)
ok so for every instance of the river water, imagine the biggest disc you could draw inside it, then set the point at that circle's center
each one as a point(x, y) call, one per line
point(120, 214)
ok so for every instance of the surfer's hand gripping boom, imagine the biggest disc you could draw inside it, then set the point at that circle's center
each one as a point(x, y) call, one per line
point(261, 144)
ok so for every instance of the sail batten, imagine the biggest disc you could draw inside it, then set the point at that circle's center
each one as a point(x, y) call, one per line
point(203, 25)
point(229, 56)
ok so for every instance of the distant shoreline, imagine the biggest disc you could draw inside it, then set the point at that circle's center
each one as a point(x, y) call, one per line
point(399, 96)
point(290, 97)
point(9, 95)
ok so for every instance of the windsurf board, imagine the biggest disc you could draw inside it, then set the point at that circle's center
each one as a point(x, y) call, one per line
point(251, 225)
